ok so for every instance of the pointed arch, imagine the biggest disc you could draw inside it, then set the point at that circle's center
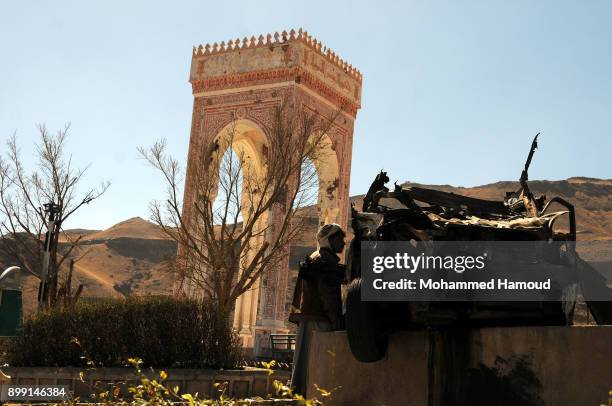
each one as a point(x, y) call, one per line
point(326, 163)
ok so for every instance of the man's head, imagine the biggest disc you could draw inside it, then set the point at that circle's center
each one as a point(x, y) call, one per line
point(331, 236)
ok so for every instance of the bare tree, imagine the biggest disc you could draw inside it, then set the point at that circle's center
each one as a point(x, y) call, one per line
point(23, 198)
point(226, 241)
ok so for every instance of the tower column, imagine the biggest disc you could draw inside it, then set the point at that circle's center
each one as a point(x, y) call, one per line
point(246, 80)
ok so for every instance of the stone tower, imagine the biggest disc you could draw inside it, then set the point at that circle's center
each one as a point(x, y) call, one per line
point(244, 80)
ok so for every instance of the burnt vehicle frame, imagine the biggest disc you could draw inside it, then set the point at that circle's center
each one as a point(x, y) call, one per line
point(423, 214)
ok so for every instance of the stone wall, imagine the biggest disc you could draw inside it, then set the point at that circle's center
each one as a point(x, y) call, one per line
point(525, 366)
point(241, 383)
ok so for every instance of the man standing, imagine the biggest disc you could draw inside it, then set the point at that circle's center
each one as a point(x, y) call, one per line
point(317, 298)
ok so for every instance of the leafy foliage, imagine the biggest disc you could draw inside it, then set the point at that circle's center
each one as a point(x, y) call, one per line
point(152, 388)
point(160, 330)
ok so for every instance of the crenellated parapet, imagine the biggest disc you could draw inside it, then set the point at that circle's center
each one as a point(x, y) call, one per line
point(293, 57)
point(277, 39)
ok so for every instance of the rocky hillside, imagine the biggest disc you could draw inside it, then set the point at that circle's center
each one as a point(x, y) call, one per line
point(129, 257)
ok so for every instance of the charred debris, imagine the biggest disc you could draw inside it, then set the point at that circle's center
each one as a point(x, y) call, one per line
point(423, 214)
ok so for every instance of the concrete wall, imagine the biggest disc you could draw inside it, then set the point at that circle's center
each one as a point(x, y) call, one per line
point(491, 366)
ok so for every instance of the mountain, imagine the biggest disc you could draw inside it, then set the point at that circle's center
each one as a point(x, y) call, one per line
point(129, 257)
point(592, 200)
point(135, 227)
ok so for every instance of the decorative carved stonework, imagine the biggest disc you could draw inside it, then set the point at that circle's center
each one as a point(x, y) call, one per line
point(296, 58)
point(246, 80)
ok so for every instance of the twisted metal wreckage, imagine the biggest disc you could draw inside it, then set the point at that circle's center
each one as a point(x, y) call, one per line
point(444, 216)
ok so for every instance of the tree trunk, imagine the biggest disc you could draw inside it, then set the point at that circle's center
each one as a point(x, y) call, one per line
point(225, 311)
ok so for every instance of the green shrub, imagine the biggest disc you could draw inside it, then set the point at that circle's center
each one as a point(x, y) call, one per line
point(162, 331)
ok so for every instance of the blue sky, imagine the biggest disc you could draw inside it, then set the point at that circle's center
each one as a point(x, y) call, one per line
point(453, 91)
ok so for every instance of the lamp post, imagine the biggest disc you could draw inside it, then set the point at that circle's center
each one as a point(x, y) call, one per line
point(51, 209)
point(8, 271)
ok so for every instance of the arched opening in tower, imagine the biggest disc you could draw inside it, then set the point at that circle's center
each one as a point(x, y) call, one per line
point(326, 164)
point(227, 206)
point(307, 197)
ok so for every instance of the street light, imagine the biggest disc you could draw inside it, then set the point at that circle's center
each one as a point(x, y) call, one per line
point(8, 271)
point(51, 209)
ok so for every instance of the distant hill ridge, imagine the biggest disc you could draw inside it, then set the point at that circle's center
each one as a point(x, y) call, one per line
point(582, 179)
point(128, 258)
point(590, 194)
point(591, 197)
point(134, 227)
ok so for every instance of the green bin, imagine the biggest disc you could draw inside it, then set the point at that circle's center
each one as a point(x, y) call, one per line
point(10, 311)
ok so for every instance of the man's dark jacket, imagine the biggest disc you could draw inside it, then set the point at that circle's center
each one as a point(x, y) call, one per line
point(318, 289)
